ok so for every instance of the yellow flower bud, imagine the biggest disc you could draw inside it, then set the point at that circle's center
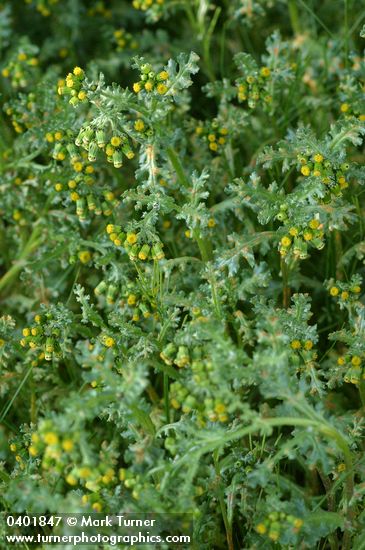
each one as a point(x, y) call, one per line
point(295, 344)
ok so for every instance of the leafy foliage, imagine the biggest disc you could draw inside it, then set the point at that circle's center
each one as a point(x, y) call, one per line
point(182, 260)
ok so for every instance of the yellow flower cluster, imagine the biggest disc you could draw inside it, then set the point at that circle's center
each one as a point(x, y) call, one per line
point(43, 6)
point(130, 242)
point(115, 147)
point(100, 9)
point(353, 367)
point(297, 239)
point(254, 87)
point(107, 340)
point(349, 110)
point(145, 5)
point(79, 186)
point(278, 522)
point(19, 69)
point(334, 177)
point(131, 300)
point(124, 40)
point(23, 118)
point(345, 292)
point(38, 337)
point(73, 86)
point(60, 452)
point(298, 345)
point(151, 81)
point(208, 410)
point(16, 124)
point(213, 134)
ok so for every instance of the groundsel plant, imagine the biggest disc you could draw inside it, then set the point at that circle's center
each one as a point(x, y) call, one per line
point(182, 264)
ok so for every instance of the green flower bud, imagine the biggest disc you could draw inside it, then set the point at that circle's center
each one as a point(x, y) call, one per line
point(157, 252)
point(100, 138)
point(106, 209)
point(80, 209)
point(144, 252)
point(73, 152)
point(100, 289)
point(136, 315)
point(127, 151)
point(79, 138)
point(300, 248)
point(182, 358)
point(133, 252)
point(91, 202)
point(48, 349)
point(117, 159)
point(281, 216)
point(190, 403)
point(93, 151)
point(355, 375)
point(58, 148)
point(347, 376)
point(318, 243)
point(144, 310)
point(74, 101)
point(112, 290)
point(87, 135)
point(168, 353)
point(98, 210)
point(146, 68)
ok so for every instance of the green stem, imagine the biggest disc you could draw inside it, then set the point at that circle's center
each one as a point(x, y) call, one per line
point(320, 425)
point(166, 397)
point(346, 29)
point(5, 134)
point(206, 45)
point(294, 16)
point(331, 503)
point(190, 15)
point(315, 16)
point(222, 505)
point(362, 392)
point(33, 242)
point(215, 296)
point(33, 403)
point(28, 249)
point(175, 161)
point(338, 253)
point(7, 408)
point(203, 244)
point(286, 287)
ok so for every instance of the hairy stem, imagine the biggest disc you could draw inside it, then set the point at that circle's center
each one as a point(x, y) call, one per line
point(203, 243)
point(294, 16)
point(286, 287)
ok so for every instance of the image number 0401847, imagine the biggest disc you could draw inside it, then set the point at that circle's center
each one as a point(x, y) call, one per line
point(181, 266)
